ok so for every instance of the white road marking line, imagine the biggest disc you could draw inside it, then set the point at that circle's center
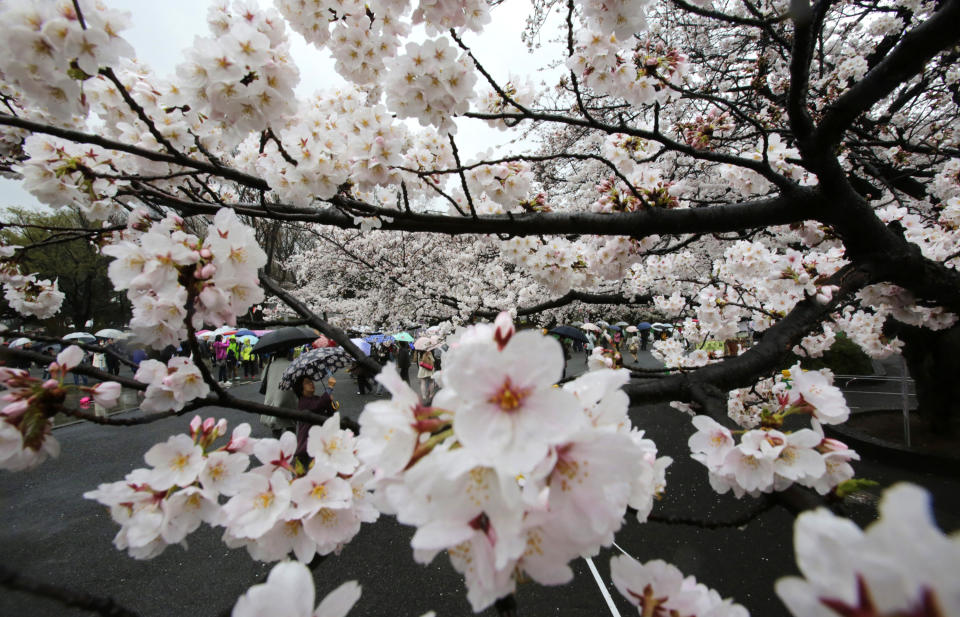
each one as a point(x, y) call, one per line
point(603, 588)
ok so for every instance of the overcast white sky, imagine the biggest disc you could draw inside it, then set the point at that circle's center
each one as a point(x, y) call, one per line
point(162, 29)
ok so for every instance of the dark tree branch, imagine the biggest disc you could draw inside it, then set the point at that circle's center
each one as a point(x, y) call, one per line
point(797, 206)
point(331, 332)
point(570, 297)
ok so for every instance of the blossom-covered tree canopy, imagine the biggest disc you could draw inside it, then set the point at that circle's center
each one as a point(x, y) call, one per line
point(790, 165)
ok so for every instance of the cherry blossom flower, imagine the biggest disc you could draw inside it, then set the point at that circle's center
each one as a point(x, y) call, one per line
point(106, 393)
point(387, 428)
point(320, 488)
point(817, 390)
point(221, 472)
point(289, 592)
point(331, 446)
point(176, 462)
point(658, 587)
point(900, 564)
point(506, 407)
point(258, 504)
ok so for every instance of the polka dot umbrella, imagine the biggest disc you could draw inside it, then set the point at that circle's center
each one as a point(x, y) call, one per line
point(315, 364)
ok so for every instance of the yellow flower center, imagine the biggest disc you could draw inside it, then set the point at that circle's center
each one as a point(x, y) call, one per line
point(509, 397)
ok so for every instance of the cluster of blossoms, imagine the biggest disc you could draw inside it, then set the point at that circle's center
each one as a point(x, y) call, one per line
point(164, 267)
point(560, 264)
point(171, 385)
point(362, 34)
point(758, 282)
point(30, 404)
point(777, 155)
point(639, 73)
point(506, 184)
point(897, 302)
point(659, 588)
point(339, 139)
point(522, 93)
point(704, 129)
point(506, 472)
point(621, 18)
point(24, 292)
point(62, 173)
point(280, 507)
point(430, 82)
point(937, 241)
point(47, 52)
point(769, 459)
point(243, 76)
point(441, 16)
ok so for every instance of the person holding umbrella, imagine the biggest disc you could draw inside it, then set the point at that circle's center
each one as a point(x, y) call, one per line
point(307, 400)
point(427, 364)
point(403, 360)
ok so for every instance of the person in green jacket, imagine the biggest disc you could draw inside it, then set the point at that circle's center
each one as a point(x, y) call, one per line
point(249, 360)
point(233, 358)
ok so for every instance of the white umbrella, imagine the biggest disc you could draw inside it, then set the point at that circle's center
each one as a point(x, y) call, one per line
point(79, 336)
point(110, 333)
point(589, 326)
point(631, 328)
point(20, 342)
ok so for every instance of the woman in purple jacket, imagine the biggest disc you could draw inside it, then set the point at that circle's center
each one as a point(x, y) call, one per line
point(220, 356)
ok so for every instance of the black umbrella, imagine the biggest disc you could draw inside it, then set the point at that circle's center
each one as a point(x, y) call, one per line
point(284, 338)
point(569, 332)
point(314, 364)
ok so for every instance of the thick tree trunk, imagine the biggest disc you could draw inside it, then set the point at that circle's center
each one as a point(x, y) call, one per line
point(933, 359)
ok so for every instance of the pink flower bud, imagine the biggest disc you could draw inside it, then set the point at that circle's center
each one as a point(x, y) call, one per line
point(205, 253)
point(221, 428)
point(208, 271)
point(106, 393)
point(195, 425)
point(50, 384)
point(503, 325)
point(829, 444)
point(208, 425)
point(85, 402)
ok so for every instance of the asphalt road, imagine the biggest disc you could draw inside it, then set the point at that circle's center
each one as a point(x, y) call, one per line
point(51, 533)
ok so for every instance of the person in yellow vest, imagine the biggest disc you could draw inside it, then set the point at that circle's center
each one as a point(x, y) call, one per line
point(248, 360)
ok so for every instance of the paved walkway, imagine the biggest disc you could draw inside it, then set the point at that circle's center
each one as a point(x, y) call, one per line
point(52, 534)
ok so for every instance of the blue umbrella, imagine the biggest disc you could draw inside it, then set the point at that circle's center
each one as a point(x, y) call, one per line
point(245, 332)
point(614, 328)
point(643, 325)
point(362, 344)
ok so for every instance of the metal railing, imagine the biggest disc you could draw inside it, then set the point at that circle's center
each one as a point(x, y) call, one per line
point(904, 393)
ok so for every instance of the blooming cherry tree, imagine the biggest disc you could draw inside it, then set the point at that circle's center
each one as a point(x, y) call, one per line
point(792, 168)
